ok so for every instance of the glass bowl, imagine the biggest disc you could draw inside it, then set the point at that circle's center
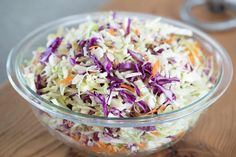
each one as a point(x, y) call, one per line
point(83, 131)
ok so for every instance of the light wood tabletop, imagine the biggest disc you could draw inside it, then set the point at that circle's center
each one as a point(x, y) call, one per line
point(21, 135)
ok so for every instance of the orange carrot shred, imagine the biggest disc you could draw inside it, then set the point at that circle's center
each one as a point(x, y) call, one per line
point(153, 110)
point(155, 133)
point(67, 80)
point(141, 146)
point(169, 40)
point(93, 47)
point(155, 68)
point(145, 58)
point(112, 31)
point(136, 32)
point(127, 87)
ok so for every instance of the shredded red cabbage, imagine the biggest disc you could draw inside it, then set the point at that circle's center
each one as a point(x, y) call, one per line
point(67, 124)
point(171, 60)
point(107, 64)
point(95, 136)
point(99, 98)
point(68, 46)
point(125, 66)
point(127, 97)
point(93, 41)
point(113, 15)
point(115, 112)
point(157, 83)
point(39, 84)
point(163, 80)
point(136, 56)
point(127, 31)
point(147, 128)
point(208, 67)
point(51, 49)
point(72, 61)
point(142, 105)
point(137, 90)
point(86, 98)
point(112, 132)
point(96, 61)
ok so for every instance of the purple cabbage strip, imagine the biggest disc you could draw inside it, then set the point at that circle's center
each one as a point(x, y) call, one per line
point(51, 49)
point(93, 41)
point(114, 79)
point(156, 52)
point(147, 68)
point(39, 84)
point(208, 68)
point(85, 98)
point(67, 124)
point(91, 112)
point(163, 80)
point(101, 28)
point(127, 31)
point(81, 43)
point(137, 90)
point(72, 61)
point(136, 56)
point(111, 132)
point(96, 61)
point(168, 93)
point(188, 67)
point(68, 46)
point(147, 128)
point(143, 106)
point(115, 112)
point(127, 97)
point(113, 15)
point(95, 136)
point(157, 84)
point(99, 98)
point(160, 50)
point(107, 64)
point(73, 94)
point(171, 60)
point(125, 66)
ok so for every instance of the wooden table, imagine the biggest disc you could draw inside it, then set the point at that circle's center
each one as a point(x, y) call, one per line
point(215, 135)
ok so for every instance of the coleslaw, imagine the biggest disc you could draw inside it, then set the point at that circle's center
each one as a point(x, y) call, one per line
point(121, 67)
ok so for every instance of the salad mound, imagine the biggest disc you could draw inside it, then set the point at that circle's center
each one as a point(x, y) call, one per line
point(121, 67)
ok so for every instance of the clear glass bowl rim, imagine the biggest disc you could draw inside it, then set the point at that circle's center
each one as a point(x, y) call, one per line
point(202, 103)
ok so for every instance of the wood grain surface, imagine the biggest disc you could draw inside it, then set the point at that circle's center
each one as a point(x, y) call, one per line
point(21, 135)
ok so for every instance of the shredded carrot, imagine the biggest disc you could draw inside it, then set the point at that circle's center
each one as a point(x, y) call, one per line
point(102, 147)
point(193, 53)
point(127, 87)
point(67, 80)
point(76, 137)
point(162, 108)
point(153, 110)
point(155, 133)
point(93, 47)
point(169, 40)
point(123, 149)
point(191, 58)
point(136, 32)
point(155, 68)
point(112, 31)
point(145, 57)
point(141, 146)
point(111, 149)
